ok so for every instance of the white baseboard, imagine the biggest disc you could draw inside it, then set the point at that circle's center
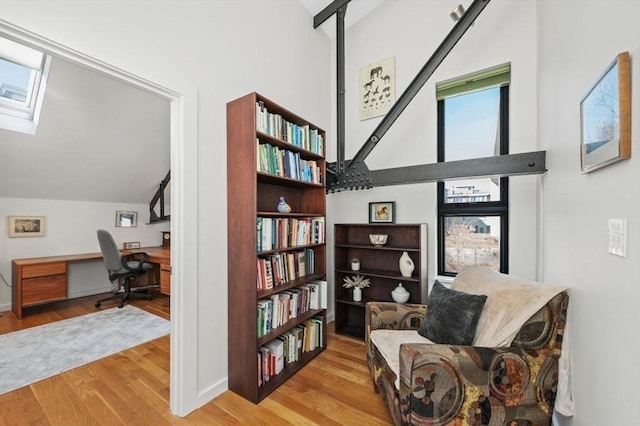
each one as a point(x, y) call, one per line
point(204, 397)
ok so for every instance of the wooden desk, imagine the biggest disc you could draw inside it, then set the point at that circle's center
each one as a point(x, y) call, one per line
point(162, 256)
point(41, 280)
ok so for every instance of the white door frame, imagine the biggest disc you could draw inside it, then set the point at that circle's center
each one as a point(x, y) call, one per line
point(181, 375)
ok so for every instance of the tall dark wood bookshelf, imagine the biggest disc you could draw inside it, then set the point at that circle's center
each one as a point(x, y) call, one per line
point(380, 265)
point(252, 196)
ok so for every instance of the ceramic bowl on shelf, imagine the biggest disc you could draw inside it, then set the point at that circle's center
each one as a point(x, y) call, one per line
point(378, 240)
point(400, 294)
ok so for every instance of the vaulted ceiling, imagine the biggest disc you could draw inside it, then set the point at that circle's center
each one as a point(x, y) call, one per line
point(97, 140)
point(102, 140)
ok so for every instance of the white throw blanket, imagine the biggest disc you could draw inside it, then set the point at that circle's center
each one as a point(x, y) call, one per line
point(511, 301)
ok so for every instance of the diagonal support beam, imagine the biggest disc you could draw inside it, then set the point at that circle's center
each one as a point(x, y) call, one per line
point(354, 174)
point(414, 87)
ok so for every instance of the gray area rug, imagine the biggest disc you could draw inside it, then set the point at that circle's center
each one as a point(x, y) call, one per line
point(36, 353)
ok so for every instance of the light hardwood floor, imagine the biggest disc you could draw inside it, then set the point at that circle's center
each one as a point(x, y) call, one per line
point(132, 387)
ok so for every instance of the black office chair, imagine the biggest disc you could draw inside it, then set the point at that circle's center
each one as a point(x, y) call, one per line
point(127, 267)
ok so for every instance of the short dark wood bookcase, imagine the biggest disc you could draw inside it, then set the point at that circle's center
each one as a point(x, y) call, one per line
point(380, 265)
point(271, 153)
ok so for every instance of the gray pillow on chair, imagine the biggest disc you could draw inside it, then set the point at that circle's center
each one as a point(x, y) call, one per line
point(452, 316)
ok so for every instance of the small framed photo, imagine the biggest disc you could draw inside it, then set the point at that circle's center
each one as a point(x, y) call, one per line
point(382, 212)
point(26, 226)
point(126, 219)
point(131, 245)
point(605, 117)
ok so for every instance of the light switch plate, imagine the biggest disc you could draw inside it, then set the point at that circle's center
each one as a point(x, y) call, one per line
point(618, 237)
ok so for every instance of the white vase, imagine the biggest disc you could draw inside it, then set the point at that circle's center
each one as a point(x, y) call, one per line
point(406, 264)
point(357, 294)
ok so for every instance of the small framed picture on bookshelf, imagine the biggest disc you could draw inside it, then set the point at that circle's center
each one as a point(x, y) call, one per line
point(126, 219)
point(382, 212)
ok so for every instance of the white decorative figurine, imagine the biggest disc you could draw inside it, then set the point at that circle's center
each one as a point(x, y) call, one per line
point(283, 207)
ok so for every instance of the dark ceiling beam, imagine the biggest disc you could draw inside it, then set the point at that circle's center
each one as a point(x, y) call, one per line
point(354, 173)
point(340, 51)
point(360, 177)
point(328, 12)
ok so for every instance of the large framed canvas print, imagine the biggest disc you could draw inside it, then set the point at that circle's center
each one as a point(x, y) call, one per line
point(605, 117)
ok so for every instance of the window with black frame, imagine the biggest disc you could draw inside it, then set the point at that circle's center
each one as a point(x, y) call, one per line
point(473, 214)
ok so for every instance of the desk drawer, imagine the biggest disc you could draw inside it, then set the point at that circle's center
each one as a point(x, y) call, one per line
point(44, 269)
point(43, 289)
point(165, 279)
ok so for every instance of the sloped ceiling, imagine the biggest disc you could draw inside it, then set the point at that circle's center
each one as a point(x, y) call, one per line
point(97, 140)
point(102, 140)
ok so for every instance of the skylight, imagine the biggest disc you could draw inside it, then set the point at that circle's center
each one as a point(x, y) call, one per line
point(23, 78)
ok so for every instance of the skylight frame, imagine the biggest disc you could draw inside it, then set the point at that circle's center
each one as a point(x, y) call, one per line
point(21, 116)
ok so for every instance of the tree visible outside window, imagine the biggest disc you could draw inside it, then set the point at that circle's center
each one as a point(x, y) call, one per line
point(473, 213)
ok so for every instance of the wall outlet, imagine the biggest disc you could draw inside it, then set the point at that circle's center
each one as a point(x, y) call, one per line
point(618, 237)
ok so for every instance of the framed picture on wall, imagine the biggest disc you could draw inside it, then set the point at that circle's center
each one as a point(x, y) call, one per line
point(382, 212)
point(126, 219)
point(26, 226)
point(605, 117)
point(377, 88)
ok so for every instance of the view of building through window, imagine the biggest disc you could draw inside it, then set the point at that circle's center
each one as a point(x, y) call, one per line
point(470, 232)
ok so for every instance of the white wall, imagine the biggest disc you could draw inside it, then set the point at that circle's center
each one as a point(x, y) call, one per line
point(71, 229)
point(411, 31)
point(210, 53)
point(577, 41)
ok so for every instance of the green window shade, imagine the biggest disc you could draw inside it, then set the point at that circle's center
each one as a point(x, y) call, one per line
point(493, 77)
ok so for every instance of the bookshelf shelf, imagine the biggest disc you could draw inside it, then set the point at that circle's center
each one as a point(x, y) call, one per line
point(380, 265)
point(273, 153)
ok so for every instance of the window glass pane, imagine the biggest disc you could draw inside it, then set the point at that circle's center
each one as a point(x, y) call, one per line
point(472, 131)
point(471, 240)
point(15, 81)
point(471, 125)
point(472, 191)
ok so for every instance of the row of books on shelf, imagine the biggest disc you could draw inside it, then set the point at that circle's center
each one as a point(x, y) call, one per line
point(280, 268)
point(275, 233)
point(274, 125)
point(275, 311)
point(275, 355)
point(282, 162)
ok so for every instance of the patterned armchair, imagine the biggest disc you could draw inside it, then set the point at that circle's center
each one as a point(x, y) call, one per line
point(438, 384)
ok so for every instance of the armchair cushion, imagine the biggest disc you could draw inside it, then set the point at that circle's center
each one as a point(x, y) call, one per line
point(452, 316)
point(387, 342)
